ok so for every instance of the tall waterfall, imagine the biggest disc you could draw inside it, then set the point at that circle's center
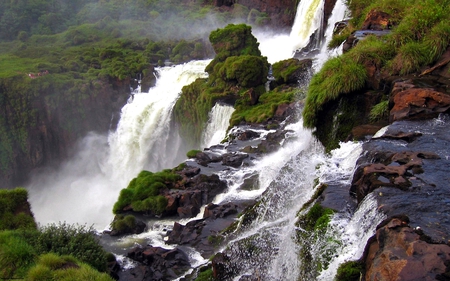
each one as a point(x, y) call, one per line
point(309, 18)
point(84, 189)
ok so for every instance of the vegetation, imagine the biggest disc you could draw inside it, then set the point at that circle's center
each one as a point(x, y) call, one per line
point(237, 71)
point(349, 271)
point(419, 35)
point(24, 248)
point(143, 192)
point(205, 275)
point(122, 223)
point(54, 267)
point(192, 153)
point(379, 111)
point(15, 210)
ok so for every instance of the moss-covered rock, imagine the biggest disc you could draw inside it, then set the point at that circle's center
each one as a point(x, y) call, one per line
point(290, 71)
point(15, 212)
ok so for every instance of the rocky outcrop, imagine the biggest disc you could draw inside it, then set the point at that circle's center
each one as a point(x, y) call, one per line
point(400, 252)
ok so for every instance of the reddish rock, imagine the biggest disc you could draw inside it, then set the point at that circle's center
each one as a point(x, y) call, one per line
point(399, 252)
point(418, 103)
point(377, 20)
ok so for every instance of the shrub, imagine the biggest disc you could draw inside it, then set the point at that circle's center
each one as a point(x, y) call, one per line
point(78, 241)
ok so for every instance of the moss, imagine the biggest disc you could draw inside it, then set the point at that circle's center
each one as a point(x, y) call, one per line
point(15, 210)
point(143, 192)
point(123, 223)
point(205, 275)
point(349, 271)
point(193, 153)
point(284, 71)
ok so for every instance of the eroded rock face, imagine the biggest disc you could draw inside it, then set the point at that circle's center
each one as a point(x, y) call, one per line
point(399, 252)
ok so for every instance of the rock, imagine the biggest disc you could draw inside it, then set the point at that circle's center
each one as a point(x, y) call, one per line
point(418, 103)
point(290, 71)
point(156, 264)
point(234, 159)
point(377, 20)
point(213, 211)
point(247, 135)
point(399, 252)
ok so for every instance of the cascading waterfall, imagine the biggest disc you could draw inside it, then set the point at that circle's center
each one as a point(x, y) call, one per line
point(218, 123)
point(308, 20)
point(84, 189)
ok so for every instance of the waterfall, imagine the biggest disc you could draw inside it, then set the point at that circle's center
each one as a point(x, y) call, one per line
point(218, 123)
point(308, 20)
point(84, 188)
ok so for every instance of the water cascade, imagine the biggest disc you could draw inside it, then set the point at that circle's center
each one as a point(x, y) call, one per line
point(144, 139)
point(218, 123)
point(102, 165)
point(309, 20)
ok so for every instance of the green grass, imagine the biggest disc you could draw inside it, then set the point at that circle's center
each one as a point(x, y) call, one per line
point(349, 271)
point(15, 210)
point(340, 75)
point(379, 111)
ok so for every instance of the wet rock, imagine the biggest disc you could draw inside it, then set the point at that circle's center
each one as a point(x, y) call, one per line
point(214, 211)
point(247, 135)
point(156, 264)
point(234, 159)
point(400, 252)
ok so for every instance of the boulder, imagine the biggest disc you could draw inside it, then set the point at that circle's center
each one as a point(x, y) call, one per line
point(156, 263)
point(418, 103)
point(399, 252)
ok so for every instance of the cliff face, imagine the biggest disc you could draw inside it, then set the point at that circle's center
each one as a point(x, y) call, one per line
point(43, 118)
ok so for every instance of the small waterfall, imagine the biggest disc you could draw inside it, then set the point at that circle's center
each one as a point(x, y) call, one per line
point(218, 123)
point(340, 13)
point(308, 20)
point(84, 189)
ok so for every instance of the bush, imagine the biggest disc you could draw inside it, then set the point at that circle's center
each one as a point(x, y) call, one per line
point(78, 241)
point(16, 255)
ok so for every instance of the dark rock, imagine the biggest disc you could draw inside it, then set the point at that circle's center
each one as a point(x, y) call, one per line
point(213, 211)
point(156, 264)
point(234, 159)
point(247, 135)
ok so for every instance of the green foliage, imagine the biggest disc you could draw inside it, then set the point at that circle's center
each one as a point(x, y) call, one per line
point(192, 153)
point(123, 223)
point(265, 108)
point(340, 75)
point(77, 241)
point(317, 218)
point(54, 267)
point(379, 111)
point(16, 255)
point(248, 71)
point(15, 210)
point(206, 275)
point(143, 192)
point(349, 271)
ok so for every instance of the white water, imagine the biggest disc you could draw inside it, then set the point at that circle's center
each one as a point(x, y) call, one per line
point(218, 123)
point(84, 189)
point(309, 18)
